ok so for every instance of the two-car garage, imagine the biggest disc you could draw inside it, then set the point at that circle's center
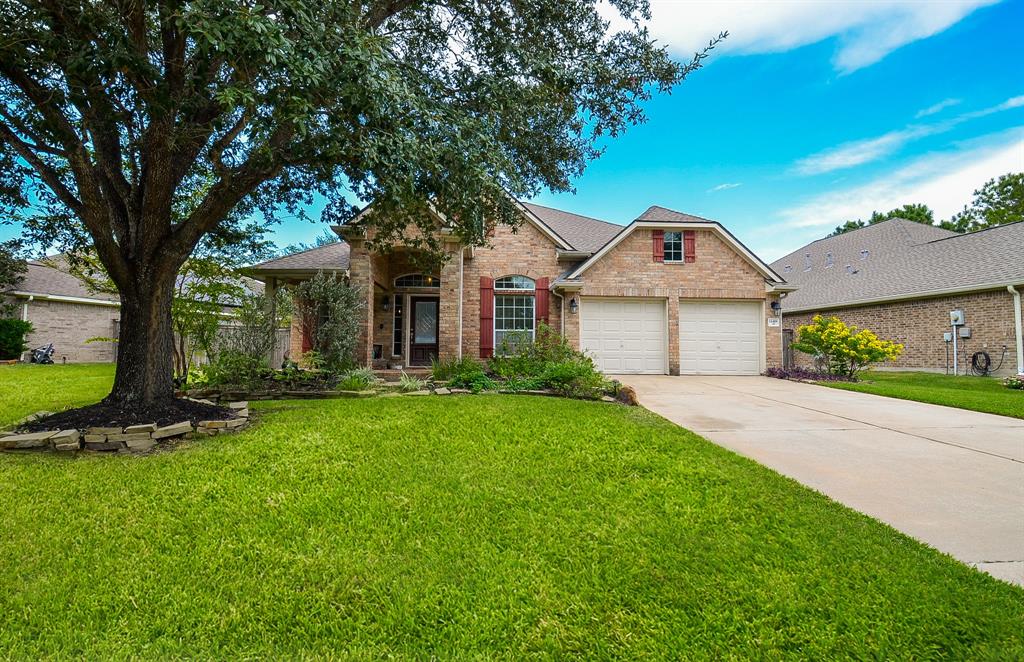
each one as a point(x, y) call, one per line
point(630, 336)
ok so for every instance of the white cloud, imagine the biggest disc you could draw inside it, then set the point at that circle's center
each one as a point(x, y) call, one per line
point(866, 31)
point(859, 152)
point(937, 108)
point(944, 181)
point(723, 187)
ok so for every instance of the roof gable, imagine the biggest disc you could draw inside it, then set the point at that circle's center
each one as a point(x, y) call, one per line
point(330, 257)
point(660, 217)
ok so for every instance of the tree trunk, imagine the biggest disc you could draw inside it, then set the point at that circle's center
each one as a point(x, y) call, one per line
point(145, 355)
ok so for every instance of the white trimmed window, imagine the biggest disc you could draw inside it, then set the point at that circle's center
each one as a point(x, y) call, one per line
point(514, 310)
point(673, 246)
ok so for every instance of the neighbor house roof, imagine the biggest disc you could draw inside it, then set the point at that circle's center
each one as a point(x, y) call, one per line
point(46, 278)
point(328, 258)
point(899, 259)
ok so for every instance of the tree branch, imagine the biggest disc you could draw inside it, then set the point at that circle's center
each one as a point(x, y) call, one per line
point(48, 174)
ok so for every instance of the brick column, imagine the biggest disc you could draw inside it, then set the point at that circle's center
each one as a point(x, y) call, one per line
point(450, 308)
point(361, 276)
point(673, 335)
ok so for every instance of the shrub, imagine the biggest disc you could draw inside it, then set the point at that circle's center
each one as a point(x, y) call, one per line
point(239, 352)
point(13, 334)
point(1014, 382)
point(842, 349)
point(448, 369)
point(410, 383)
point(359, 379)
point(332, 308)
point(804, 373)
point(233, 367)
point(517, 384)
point(518, 357)
point(575, 377)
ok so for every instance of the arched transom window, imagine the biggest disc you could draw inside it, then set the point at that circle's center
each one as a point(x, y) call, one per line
point(514, 311)
point(514, 283)
point(417, 280)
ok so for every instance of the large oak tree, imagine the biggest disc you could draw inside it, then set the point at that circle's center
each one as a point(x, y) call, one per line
point(135, 127)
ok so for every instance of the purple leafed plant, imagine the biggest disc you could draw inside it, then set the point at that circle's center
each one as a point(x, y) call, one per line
point(805, 374)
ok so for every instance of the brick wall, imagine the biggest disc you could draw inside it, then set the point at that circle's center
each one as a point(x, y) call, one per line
point(919, 325)
point(527, 252)
point(68, 326)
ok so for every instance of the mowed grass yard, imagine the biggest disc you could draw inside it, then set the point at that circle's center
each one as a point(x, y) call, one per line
point(463, 526)
point(985, 394)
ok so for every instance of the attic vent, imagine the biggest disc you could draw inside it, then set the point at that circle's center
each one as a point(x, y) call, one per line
point(851, 270)
point(807, 262)
point(829, 260)
point(864, 254)
point(788, 268)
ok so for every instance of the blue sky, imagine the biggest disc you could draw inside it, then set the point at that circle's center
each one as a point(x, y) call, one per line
point(811, 113)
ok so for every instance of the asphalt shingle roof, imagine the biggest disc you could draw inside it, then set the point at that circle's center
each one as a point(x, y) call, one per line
point(899, 258)
point(47, 278)
point(330, 257)
point(658, 214)
point(581, 232)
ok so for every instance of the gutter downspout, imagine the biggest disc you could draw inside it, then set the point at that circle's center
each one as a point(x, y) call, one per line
point(24, 317)
point(1017, 327)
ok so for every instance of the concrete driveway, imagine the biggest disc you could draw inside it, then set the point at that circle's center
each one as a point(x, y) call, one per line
point(949, 477)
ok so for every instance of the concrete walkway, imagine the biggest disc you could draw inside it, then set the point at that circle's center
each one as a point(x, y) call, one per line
point(951, 478)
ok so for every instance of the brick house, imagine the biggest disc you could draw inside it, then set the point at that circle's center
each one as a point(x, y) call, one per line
point(669, 293)
point(903, 279)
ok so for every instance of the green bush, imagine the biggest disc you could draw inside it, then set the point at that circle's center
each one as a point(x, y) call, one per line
point(234, 367)
point(333, 307)
point(360, 379)
point(576, 377)
point(518, 357)
point(465, 373)
point(13, 333)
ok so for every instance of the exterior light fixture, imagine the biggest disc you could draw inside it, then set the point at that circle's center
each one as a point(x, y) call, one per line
point(386, 303)
point(574, 305)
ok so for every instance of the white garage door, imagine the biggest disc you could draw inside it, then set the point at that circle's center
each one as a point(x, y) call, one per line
point(624, 336)
point(720, 338)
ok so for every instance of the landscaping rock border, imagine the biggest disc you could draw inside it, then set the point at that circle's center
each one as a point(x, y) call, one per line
point(131, 439)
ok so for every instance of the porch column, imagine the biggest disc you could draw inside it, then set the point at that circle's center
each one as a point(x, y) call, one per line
point(361, 276)
point(270, 295)
point(450, 309)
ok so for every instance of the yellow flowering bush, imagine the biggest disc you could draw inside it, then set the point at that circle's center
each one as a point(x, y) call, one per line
point(843, 349)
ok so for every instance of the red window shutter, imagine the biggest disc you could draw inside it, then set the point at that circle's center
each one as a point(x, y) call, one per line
point(659, 245)
point(308, 328)
point(543, 303)
point(689, 246)
point(486, 317)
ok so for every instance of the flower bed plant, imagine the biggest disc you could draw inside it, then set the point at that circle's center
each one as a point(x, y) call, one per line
point(843, 350)
point(804, 374)
point(1016, 383)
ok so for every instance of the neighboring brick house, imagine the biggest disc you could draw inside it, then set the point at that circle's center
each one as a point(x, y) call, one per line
point(64, 312)
point(669, 293)
point(902, 279)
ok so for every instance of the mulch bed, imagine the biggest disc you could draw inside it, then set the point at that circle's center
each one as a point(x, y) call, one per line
point(100, 415)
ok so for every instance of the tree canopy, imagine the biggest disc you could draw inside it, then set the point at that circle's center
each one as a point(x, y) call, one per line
point(136, 127)
point(12, 268)
point(998, 202)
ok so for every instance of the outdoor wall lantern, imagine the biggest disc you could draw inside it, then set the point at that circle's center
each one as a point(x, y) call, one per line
point(574, 305)
point(385, 303)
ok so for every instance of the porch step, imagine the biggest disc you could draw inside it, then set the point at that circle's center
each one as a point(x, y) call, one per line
point(389, 375)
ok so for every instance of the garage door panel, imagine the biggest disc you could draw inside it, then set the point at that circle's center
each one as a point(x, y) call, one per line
point(624, 335)
point(721, 338)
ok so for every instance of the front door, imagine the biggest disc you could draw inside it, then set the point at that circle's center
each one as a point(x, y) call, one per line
point(423, 330)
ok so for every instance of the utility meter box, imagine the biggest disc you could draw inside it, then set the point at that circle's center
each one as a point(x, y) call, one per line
point(965, 331)
point(956, 317)
point(947, 336)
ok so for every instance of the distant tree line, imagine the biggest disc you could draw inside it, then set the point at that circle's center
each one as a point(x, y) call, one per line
point(998, 202)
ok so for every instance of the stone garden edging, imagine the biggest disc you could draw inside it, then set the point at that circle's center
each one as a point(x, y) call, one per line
point(134, 438)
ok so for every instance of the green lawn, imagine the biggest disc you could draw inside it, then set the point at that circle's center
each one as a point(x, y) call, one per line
point(985, 394)
point(466, 526)
point(25, 389)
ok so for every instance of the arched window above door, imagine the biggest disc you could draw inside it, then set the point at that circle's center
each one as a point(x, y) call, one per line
point(418, 280)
